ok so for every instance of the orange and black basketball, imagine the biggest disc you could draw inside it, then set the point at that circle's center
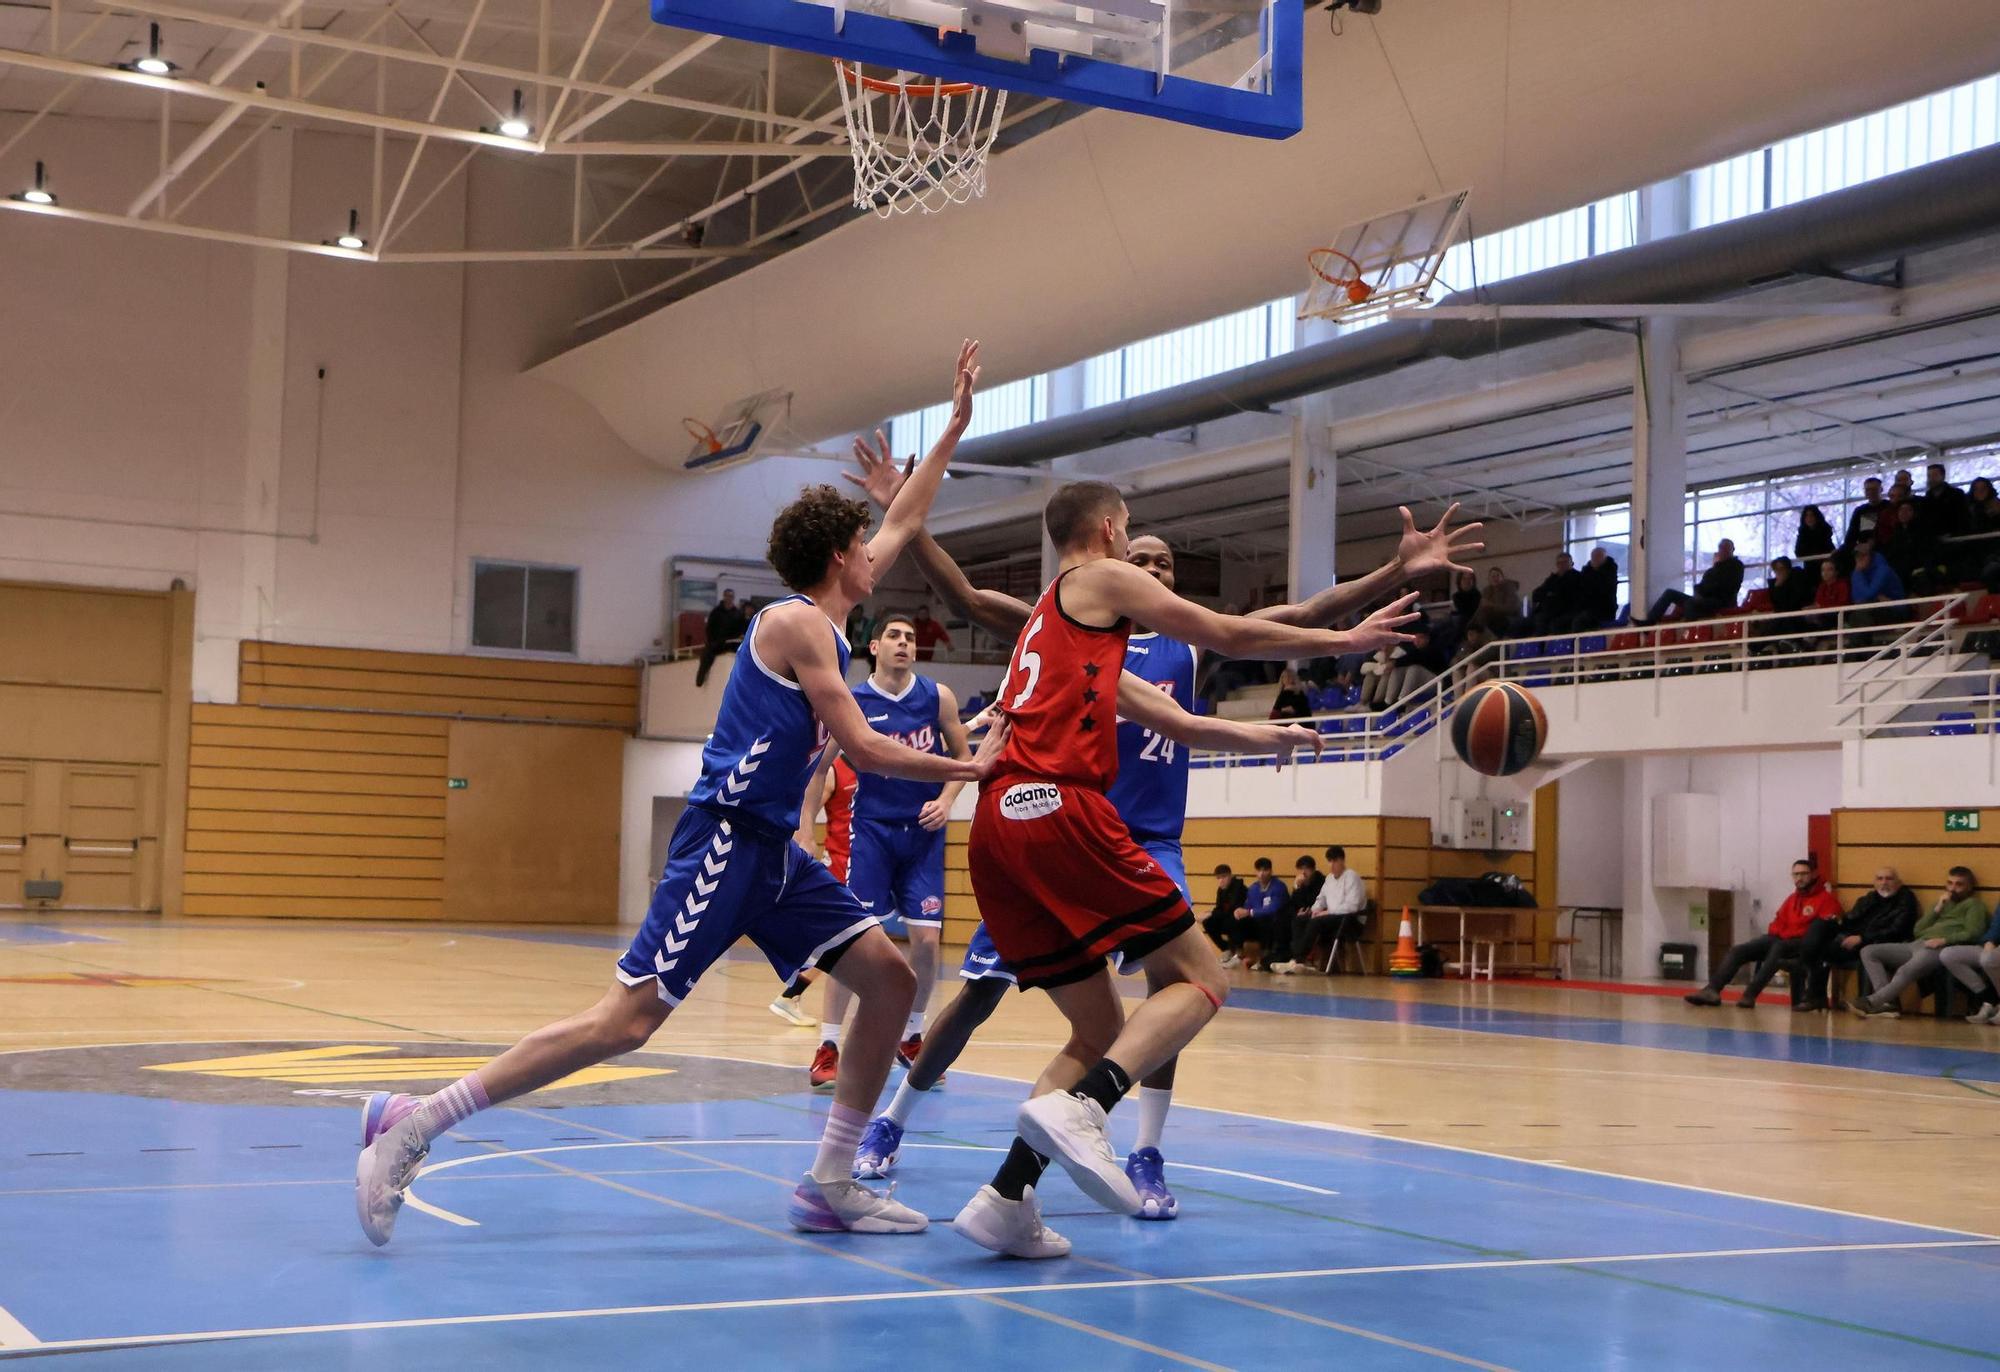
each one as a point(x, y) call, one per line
point(1498, 728)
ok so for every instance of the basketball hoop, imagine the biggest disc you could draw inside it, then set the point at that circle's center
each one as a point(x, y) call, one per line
point(1322, 260)
point(702, 434)
point(925, 147)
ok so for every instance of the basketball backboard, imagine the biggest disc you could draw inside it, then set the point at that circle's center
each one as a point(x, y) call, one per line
point(1379, 264)
point(1231, 65)
point(738, 435)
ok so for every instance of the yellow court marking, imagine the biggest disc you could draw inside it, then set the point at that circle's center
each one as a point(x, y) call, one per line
point(364, 1063)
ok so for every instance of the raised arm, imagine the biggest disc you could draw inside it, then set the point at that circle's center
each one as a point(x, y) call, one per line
point(908, 510)
point(1418, 553)
point(1147, 706)
point(800, 647)
point(1101, 591)
point(936, 812)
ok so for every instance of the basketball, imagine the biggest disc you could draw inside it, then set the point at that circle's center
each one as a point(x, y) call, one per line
point(1498, 728)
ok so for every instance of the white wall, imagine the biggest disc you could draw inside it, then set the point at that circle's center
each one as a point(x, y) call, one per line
point(1921, 771)
point(1590, 828)
point(652, 770)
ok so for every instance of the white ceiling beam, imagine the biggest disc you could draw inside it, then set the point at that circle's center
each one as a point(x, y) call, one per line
point(170, 228)
point(387, 222)
point(1716, 309)
point(576, 70)
point(638, 88)
point(454, 66)
point(203, 141)
point(69, 87)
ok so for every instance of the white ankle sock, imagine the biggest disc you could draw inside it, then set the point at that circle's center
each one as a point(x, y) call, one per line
point(829, 1033)
point(459, 1101)
point(914, 1025)
point(1153, 1104)
point(836, 1146)
point(904, 1103)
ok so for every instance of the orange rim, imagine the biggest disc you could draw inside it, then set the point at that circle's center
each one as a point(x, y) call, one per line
point(701, 433)
point(923, 90)
point(1318, 258)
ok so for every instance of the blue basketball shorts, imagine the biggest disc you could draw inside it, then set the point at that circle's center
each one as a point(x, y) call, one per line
point(1166, 852)
point(983, 960)
point(896, 866)
point(724, 881)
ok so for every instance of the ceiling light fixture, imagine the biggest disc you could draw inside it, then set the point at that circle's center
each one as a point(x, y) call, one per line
point(39, 193)
point(516, 125)
point(352, 239)
point(153, 64)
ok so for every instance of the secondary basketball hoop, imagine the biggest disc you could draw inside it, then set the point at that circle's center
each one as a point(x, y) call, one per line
point(1340, 271)
point(1380, 264)
point(917, 144)
point(703, 436)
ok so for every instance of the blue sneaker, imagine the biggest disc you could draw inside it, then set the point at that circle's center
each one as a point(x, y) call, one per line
point(877, 1153)
point(1148, 1171)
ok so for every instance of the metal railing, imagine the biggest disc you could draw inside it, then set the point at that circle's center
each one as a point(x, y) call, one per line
point(1868, 642)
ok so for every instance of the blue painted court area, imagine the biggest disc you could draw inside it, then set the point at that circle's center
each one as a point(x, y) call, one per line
point(11, 933)
point(180, 1233)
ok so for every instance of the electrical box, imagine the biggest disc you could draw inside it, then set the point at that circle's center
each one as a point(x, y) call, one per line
point(1470, 824)
point(1510, 826)
point(1687, 841)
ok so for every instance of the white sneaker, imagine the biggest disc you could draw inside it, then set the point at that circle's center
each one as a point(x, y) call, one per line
point(1232, 961)
point(1070, 1130)
point(846, 1206)
point(790, 1013)
point(385, 1171)
point(1985, 1014)
point(1285, 969)
point(1013, 1229)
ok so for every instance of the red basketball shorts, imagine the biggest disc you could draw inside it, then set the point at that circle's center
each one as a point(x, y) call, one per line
point(1061, 884)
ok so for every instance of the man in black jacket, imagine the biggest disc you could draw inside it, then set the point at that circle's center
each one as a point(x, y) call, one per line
point(1305, 890)
point(1220, 924)
point(1716, 590)
point(1555, 604)
point(1600, 591)
point(1789, 589)
point(726, 623)
point(1873, 509)
point(1884, 915)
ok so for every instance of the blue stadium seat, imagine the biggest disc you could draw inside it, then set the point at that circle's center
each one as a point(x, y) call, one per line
point(1560, 647)
point(1952, 724)
point(1521, 651)
point(1593, 643)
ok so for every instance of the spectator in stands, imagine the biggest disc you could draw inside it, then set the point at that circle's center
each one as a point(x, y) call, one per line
point(1914, 550)
point(1465, 598)
point(1220, 924)
point(1874, 579)
point(1477, 636)
point(1814, 543)
point(1335, 912)
point(1717, 589)
point(1291, 700)
point(1789, 590)
point(1947, 513)
point(1832, 592)
point(1985, 506)
point(1977, 966)
point(1307, 882)
point(1600, 591)
point(1958, 917)
point(1557, 602)
point(860, 633)
point(1499, 602)
point(1904, 487)
point(1261, 917)
point(1412, 664)
point(1808, 903)
point(1375, 679)
point(726, 623)
point(931, 635)
point(1872, 510)
point(1883, 915)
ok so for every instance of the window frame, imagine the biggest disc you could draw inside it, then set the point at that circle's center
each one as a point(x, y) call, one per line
point(524, 566)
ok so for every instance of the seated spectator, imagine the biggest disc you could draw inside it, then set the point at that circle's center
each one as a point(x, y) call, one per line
point(1958, 917)
point(1413, 664)
point(931, 635)
point(1913, 550)
point(1883, 915)
point(1874, 579)
point(1220, 924)
point(1985, 506)
point(1977, 966)
point(1555, 604)
point(1814, 543)
point(1261, 915)
point(1790, 590)
point(1600, 591)
point(726, 623)
point(1335, 912)
point(1872, 510)
point(1375, 674)
point(1291, 702)
point(1499, 602)
point(1833, 590)
point(1307, 882)
point(1808, 903)
point(1477, 636)
point(1716, 590)
point(1465, 597)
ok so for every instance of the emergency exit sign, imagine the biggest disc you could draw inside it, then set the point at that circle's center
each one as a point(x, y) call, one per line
point(1961, 821)
point(460, 783)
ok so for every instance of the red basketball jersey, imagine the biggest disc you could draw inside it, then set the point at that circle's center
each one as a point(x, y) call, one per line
point(1061, 693)
point(840, 815)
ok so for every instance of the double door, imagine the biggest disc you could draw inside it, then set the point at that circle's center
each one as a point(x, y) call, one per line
point(79, 835)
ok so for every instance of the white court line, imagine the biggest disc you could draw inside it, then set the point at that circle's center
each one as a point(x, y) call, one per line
point(983, 1292)
point(14, 1334)
point(411, 1199)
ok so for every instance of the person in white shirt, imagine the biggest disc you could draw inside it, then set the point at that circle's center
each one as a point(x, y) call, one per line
point(1336, 912)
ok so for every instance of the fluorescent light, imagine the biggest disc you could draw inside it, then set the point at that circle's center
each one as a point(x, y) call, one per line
point(352, 239)
point(516, 125)
point(153, 64)
point(39, 193)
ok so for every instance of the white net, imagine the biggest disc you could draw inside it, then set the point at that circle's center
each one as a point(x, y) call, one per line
point(918, 145)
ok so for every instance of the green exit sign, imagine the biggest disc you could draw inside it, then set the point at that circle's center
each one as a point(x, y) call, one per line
point(1961, 821)
point(460, 783)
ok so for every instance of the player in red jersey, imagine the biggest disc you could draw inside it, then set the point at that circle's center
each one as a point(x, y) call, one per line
point(1059, 878)
point(839, 802)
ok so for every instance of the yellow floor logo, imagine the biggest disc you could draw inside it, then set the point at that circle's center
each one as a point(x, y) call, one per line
point(367, 1064)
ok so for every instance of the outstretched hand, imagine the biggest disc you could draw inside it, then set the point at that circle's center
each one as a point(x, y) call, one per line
point(1289, 737)
point(880, 477)
point(966, 377)
point(988, 756)
point(1436, 551)
point(1383, 628)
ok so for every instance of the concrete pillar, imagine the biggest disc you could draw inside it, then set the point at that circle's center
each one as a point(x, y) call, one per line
point(1659, 421)
point(1314, 486)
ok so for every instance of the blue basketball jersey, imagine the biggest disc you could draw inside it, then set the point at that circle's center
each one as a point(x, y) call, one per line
point(1151, 791)
point(912, 719)
point(767, 739)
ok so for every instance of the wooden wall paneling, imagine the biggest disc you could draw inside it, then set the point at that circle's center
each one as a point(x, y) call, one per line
point(534, 835)
point(453, 685)
point(1915, 843)
point(72, 637)
point(13, 828)
point(177, 724)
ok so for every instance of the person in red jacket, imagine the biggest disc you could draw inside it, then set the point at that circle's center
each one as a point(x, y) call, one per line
point(1809, 901)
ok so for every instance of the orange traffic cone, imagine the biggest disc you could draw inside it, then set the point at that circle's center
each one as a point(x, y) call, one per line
point(1404, 962)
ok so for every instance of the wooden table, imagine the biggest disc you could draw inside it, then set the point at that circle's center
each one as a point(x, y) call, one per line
point(1506, 914)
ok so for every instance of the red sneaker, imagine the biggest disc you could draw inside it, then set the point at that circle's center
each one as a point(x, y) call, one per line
point(825, 1067)
point(906, 1055)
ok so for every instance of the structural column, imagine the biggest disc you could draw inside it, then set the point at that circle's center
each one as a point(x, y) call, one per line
point(1659, 423)
point(1314, 485)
